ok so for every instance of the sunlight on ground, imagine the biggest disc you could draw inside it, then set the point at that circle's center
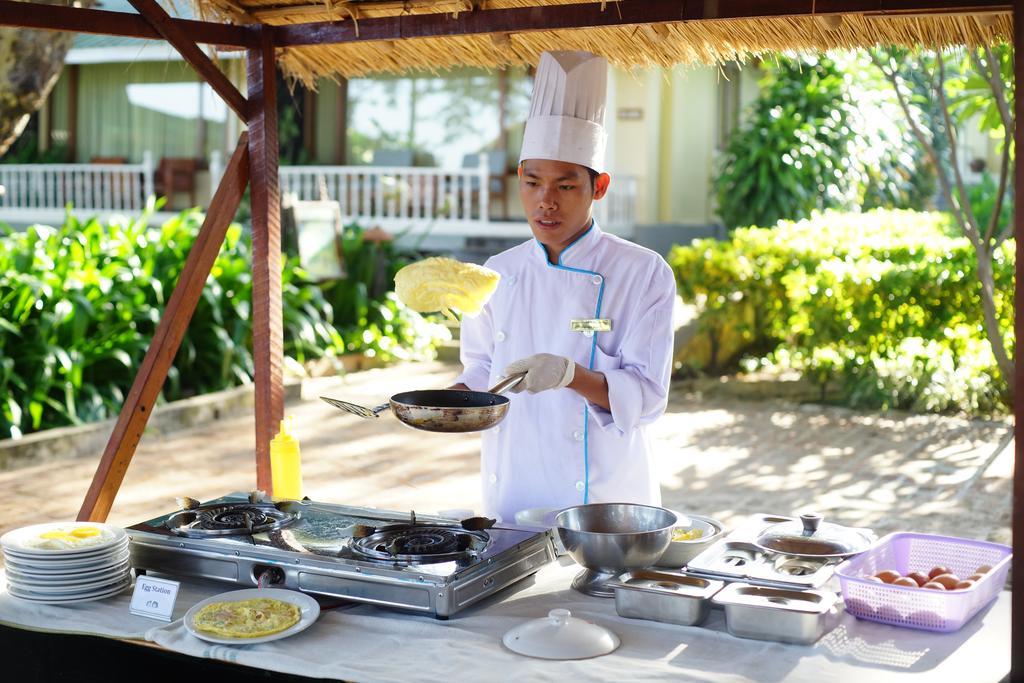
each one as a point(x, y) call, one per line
point(722, 458)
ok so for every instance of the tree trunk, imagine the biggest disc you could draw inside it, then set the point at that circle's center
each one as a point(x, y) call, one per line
point(988, 305)
point(30, 62)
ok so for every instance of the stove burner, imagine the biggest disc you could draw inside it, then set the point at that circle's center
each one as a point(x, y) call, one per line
point(420, 544)
point(228, 519)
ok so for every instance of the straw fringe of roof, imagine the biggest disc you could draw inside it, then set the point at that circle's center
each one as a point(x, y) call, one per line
point(663, 45)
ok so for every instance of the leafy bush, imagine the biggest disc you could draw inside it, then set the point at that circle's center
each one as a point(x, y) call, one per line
point(366, 311)
point(820, 135)
point(884, 304)
point(79, 304)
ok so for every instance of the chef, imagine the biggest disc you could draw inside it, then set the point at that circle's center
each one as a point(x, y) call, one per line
point(586, 315)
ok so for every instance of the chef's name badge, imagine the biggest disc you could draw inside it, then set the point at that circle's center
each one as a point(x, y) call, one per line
point(591, 325)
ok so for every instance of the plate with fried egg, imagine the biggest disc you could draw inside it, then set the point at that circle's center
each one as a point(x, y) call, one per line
point(62, 539)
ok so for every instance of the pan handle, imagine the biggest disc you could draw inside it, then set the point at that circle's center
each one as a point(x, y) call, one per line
point(507, 383)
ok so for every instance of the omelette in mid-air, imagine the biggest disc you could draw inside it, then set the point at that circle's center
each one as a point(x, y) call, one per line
point(251, 618)
point(446, 285)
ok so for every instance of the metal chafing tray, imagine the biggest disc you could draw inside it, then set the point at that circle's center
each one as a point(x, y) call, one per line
point(669, 597)
point(781, 614)
point(737, 558)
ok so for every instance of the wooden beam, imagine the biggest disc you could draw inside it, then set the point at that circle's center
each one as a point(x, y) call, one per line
point(267, 329)
point(167, 338)
point(102, 22)
point(187, 48)
point(591, 15)
point(1017, 508)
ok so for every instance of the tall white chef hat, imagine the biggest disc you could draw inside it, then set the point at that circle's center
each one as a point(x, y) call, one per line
point(566, 120)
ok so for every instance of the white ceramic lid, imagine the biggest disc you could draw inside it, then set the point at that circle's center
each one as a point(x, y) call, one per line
point(560, 636)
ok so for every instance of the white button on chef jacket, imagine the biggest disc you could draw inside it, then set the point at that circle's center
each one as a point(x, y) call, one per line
point(610, 461)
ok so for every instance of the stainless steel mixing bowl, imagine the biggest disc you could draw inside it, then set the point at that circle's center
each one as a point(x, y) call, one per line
point(610, 538)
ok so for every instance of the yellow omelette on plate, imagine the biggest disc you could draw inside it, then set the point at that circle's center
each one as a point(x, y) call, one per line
point(446, 285)
point(251, 618)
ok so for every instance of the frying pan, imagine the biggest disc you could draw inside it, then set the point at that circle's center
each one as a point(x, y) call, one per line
point(442, 410)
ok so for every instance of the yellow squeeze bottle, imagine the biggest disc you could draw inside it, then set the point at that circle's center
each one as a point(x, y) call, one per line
point(286, 464)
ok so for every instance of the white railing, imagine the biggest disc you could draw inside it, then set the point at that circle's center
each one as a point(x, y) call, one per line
point(398, 198)
point(434, 200)
point(96, 187)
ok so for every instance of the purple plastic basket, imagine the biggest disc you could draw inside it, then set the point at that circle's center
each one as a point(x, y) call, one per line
point(922, 608)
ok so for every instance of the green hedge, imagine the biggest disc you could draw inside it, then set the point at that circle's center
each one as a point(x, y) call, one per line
point(79, 304)
point(882, 305)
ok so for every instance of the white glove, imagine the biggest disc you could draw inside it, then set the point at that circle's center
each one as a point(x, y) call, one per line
point(543, 371)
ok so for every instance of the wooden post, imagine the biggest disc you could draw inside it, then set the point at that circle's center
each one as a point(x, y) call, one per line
point(341, 144)
point(72, 155)
point(503, 138)
point(1017, 597)
point(309, 121)
point(267, 332)
point(166, 340)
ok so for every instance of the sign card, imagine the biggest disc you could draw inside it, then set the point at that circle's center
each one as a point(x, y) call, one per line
point(154, 598)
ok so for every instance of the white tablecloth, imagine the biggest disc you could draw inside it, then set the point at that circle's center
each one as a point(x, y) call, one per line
point(365, 643)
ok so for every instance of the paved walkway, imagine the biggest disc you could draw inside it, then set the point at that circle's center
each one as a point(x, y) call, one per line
point(716, 456)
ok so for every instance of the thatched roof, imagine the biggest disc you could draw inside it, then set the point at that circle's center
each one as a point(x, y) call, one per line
point(691, 42)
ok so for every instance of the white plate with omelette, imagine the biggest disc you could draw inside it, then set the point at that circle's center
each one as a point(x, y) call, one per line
point(252, 615)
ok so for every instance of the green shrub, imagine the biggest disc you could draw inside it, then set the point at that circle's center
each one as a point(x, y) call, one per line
point(821, 134)
point(884, 305)
point(367, 313)
point(79, 304)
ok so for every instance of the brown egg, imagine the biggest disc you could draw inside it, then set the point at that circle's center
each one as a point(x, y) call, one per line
point(920, 577)
point(924, 618)
point(983, 569)
point(859, 608)
point(948, 580)
point(905, 581)
point(975, 577)
point(931, 585)
point(874, 578)
point(889, 614)
point(888, 575)
point(936, 571)
point(966, 583)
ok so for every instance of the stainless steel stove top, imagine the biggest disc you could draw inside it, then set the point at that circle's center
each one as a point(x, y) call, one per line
point(428, 565)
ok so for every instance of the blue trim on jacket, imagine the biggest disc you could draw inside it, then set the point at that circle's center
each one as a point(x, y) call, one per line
point(593, 349)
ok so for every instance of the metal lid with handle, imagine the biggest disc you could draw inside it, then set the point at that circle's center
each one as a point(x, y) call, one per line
point(812, 537)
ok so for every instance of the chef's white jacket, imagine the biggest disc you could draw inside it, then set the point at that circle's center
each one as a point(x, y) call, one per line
point(555, 449)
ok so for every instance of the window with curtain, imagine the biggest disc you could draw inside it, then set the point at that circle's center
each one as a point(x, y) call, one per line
point(439, 119)
point(125, 110)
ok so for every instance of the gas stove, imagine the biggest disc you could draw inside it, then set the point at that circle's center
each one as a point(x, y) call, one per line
point(428, 565)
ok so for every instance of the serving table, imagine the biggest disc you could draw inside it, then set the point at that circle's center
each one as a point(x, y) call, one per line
point(365, 643)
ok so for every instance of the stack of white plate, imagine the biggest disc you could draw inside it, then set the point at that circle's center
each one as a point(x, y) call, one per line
point(66, 562)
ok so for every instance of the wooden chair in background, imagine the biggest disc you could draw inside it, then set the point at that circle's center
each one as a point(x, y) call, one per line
point(177, 174)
